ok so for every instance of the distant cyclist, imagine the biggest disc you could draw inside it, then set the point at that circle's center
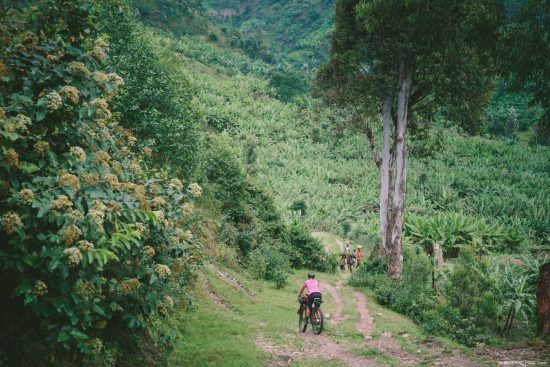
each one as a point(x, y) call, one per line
point(313, 291)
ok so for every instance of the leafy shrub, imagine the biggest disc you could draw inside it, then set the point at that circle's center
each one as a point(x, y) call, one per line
point(473, 303)
point(308, 251)
point(268, 262)
point(94, 244)
point(471, 290)
point(156, 102)
point(250, 217)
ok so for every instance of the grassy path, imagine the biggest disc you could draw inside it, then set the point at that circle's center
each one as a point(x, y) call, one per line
point(240, 321)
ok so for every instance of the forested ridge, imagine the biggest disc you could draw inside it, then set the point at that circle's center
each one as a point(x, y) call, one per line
point(172, 169)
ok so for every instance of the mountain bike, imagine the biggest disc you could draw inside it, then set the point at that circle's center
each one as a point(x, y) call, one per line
point(316, 317)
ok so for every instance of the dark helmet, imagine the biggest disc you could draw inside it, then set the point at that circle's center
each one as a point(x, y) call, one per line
point(310, 275)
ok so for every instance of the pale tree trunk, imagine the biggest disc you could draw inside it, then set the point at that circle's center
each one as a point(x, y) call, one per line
point(385, 176)
point(438, 254)
point(394, 254)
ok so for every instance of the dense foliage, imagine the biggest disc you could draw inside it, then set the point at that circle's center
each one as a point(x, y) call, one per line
point(251, 223)
point(302, 159)
point(473, 301)
point(102, 119)
point(293, 30)
point(467, 192)
point(155, 104)
point(95, 241)
point(178, 16)
point(523, 61)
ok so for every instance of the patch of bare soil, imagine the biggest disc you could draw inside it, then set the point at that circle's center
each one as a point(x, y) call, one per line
point(365, 325)
point(333, 291)
point(231, 280)
point(315, 347)
point(517, 357)
point(385, 344)
point(220, 303)
point(445, 358)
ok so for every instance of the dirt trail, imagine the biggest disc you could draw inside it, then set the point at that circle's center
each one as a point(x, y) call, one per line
point(325, 349)
point(446, 358)
point(333, 291)
point(366, 325)
point(385, 344)
point(234, 282)
point(520, 356)
point(220, 303)
point(396, 346)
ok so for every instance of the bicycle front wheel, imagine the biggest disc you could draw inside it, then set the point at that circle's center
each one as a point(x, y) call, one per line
point(317, 321)
point(302, 325)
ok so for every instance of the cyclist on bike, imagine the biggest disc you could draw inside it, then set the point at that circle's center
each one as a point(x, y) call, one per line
point(313, 291)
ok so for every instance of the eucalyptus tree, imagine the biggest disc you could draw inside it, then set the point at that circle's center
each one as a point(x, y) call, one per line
point(403, 61)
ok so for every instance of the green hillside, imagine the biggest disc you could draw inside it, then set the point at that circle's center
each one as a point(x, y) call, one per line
point(168, 181)
point(302, 158)
point(296, 31)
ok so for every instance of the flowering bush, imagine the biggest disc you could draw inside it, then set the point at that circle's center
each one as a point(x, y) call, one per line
point(92, 242)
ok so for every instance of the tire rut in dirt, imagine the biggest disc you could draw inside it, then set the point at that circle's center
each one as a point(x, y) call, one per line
point(339, 301)
point(231, 280)
point(217, 300)
point(325, 350)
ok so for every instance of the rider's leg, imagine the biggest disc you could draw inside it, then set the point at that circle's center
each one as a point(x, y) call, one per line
point(307, 311)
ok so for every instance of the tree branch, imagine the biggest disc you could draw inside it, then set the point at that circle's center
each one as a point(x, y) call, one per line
point(372, 143)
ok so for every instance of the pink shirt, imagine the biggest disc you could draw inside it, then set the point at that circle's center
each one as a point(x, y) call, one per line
point(312, 286)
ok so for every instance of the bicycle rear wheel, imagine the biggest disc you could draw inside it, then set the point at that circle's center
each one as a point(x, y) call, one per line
point(317, 322)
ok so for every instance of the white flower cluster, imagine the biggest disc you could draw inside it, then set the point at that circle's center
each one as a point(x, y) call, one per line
point(73, 256)
point(69, 180)
point(195, 189)
point(27, 196)
point(175, 184)
point(78, 153)
point(163, 271)
point(40, 288)
point(187, 208)
point(53, 101)
point(11, 222)
point(62, 202)
point(97, 213)
point(85, 246)
point(71, 233)
point(22, 122)
point(102, 108)
point(42, 147)
point(149, 251)
point(71, 93)
point(77, 68)
point(12, 158)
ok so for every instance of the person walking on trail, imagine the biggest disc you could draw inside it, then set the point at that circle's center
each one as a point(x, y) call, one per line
point(342, 260)
point(313, 291)
point(351, 261)
point(359, 255)
point(347, 250)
